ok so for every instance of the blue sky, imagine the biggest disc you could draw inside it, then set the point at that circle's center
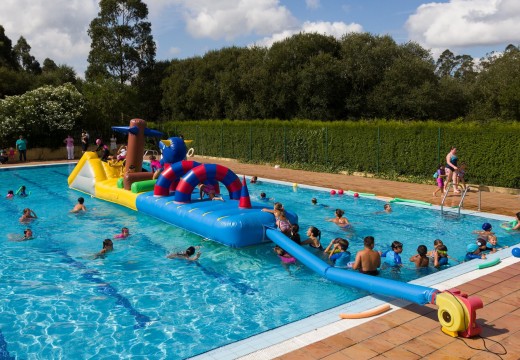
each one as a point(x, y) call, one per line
point(184, 28)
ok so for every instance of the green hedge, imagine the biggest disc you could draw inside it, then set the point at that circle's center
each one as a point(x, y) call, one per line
point(380, 147)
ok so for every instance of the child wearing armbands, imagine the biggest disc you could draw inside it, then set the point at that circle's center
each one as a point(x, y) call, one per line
point(392, 257)
point(439, 176)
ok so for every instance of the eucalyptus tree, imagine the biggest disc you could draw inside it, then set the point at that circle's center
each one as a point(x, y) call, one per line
point(22, 52)
point(122, 42)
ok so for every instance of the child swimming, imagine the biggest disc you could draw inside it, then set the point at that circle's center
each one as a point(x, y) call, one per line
point(284, 255)
point(124, 234)
point(186, 255)
point(420, 259)
point(10, 194)
point(392, 257)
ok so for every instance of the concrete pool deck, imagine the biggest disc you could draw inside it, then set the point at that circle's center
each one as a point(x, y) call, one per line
point(410, 331)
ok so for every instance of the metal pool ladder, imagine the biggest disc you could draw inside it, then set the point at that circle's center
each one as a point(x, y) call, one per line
point(463, 196)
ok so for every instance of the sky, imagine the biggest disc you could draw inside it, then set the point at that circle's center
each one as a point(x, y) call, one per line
point(57, 29)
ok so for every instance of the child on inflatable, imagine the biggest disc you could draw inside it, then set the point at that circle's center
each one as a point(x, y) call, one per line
point(392, 257)
point(155, 164)
point(420, 259)
point(124, 234)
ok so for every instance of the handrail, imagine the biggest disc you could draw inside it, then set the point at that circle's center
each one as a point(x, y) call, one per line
point(444, 197)
point(461, 203)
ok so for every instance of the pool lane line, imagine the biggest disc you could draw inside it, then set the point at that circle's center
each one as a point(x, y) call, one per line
point(104, 287)
point(39, 186)
point(4, 353)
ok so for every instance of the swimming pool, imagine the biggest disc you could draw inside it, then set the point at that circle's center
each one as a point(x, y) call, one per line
point(58, 302)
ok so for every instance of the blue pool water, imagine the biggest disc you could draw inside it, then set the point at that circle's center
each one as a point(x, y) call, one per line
point(57, 302)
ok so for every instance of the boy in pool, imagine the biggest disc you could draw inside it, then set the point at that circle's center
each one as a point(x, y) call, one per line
point(79, 206)
point(368, 260)
point(420, 259)
point(186, 255)
point(28, 215)
point(253, 180)
point(108, 246)
point(492, 243)
point(473, 252)
point(339, 256)
point(392, 257)
point(485, 232)
point(22, 191)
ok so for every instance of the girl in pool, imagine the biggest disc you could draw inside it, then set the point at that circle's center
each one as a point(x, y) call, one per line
point(314, 238)
point(10, 194)
point(22, 191)
point(513, 225)
point(108, 246)
point(295, 236)
point(340, 220)
point(124, 234)
point(186, 255)
point(284, 255)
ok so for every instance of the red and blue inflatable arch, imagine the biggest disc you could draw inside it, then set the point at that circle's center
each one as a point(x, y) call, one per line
point(171, 175)
point(207, 173)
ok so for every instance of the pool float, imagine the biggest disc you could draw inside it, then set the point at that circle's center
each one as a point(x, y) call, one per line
point(489, 263)
point(509, 225)
point(351, 192)
point(410, 201)
point(372, 312)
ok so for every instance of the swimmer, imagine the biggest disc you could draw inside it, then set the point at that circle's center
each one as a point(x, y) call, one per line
point(27, 235)
point(340, 220)
point(284, 255)
point(314, 238)
point(124, 234)
point(108, 246)
point(387, 209)
point(339, 256)
point(10, 194)
point(420, 259)
point(22, 192)
point(187, 254)
point(485, 232)
point(264, 197)
point(253, 180)
point(492, 243)
point(392, 257)
point(314, 201)
point(28, 215)
point(473, 252)
point(368, 260)
point(441, 256)
point(79, 206)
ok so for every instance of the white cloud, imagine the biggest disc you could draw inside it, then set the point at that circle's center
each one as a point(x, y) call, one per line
point(465, 23)
point(336, 29)
point(54, 29)
point(312, 4)
point(229, 19)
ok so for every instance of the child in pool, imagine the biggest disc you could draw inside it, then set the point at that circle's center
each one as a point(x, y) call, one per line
point(284, 224)
point(284, 255)
point(28, 215)
point(492, 243)
point(392, 257)
point(483, 245)
point(186, 255)
point(440, 257)
point(314, 238)
point(10, 194)
point(108, 246)
point(27, 235)
point(253, 180)
point(485, 232)
point(420, 259)
point(340, 220)
point(314, 201)
point(79, 206)
point(473, 252)
point(124, 234)
point(339, 256)
point(512, 225)
point(295, 236)
point(22, 191)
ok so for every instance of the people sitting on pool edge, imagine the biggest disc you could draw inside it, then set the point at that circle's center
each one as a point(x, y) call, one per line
point(420, 259)
point(339, 256)
point(28, 215)
point(108, 246)
point(79, 206)
point(392, 257)
point(124, 234)
point(186, 255)
point(340, 220)
point(368, 260)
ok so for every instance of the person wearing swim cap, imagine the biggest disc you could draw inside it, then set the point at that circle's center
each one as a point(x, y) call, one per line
point(485, 232)
point(473, 252)
point(188, 254)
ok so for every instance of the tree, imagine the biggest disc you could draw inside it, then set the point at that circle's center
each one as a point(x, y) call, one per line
point(22, 52)
point(49, 65)
point(122, 43)
point(7, 57)
point(38, 113)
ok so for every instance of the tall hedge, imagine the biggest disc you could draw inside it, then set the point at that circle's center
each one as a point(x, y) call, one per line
point(381, 147)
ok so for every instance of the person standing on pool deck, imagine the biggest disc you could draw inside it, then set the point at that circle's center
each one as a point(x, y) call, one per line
point(368, 260)
point(69, 144)
point(451, 170)
point(21, 146)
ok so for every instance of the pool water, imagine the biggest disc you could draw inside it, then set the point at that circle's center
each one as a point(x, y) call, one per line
point(57, 301)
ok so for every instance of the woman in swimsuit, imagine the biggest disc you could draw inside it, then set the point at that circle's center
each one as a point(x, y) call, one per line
point(340, 220)
point(451, 170)
point(314, 238)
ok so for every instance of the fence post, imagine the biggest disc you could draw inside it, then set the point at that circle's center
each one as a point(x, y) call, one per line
point(250, 142)
point(377, 151)
point(326, 146)
point(222, 140)
point(284, 145)
point(439, 146)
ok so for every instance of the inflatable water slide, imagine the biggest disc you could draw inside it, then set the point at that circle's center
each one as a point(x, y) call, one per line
point(173, 196)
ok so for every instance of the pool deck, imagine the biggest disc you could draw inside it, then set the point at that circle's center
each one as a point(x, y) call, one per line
point(412, 331)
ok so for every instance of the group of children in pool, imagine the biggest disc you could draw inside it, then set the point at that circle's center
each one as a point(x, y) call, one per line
point(368, 260)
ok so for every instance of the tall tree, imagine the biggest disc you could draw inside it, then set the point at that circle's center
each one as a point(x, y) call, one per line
point(7, 57)
point(22, 52)
point(122, 42)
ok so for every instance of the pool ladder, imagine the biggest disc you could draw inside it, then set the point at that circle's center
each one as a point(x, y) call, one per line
point(463, 196)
